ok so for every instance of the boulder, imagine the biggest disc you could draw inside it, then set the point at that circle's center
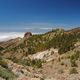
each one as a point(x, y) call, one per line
point(27, 35)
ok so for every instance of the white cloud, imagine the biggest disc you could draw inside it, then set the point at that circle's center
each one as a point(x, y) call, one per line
point(43, 28)
point(35, 28)
point(10, 35)
point(4, 36)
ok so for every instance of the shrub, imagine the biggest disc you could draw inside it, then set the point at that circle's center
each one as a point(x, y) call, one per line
point(31, 50)
point(62, 63)
point(8, 75)
point(59, 59)
point(52, 52)
point(1, 48)
point(73, 59)
point(37, 63)
point(41, 78)
point(3, 64)
point(73, 63)
point(28, 62)
point(75, 56)
point(73, 71)
point(0, 58)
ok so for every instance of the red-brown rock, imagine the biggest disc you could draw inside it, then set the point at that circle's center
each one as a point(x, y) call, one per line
point(27, 34)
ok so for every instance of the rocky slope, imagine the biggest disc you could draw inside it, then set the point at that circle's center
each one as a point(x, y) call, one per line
point(54, 55)
point(30, 44)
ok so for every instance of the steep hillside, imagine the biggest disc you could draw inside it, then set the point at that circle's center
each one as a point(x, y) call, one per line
point(54, 55)
point(30, 44)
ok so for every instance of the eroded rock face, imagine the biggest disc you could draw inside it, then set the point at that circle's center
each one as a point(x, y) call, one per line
point(27, 34)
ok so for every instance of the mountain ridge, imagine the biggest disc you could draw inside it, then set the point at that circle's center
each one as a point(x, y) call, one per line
point(30, 42)
point(54, 55)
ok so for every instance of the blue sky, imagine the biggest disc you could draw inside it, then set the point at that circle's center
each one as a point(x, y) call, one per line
point(38, 15)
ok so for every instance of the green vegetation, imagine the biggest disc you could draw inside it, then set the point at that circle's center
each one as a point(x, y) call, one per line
point(73, 63)
point(8, 75)
point(31, 50)
point(73, 71)
point(1, 48)
point(62, 63)
point(36, 43)
point(3, 63)
point(37, 63)
point(59, 59)
point(4, 71)
point(62, 40)
point(73, 58)
point(28, 62)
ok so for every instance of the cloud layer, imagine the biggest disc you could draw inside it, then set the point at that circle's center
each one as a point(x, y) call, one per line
point(10, 35)
point(7, 33)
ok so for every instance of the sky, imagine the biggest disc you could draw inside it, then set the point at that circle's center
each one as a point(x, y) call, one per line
point(38, 16)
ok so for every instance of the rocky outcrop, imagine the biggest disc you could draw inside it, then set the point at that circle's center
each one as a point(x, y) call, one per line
point(44, 55)
point(27, 35)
